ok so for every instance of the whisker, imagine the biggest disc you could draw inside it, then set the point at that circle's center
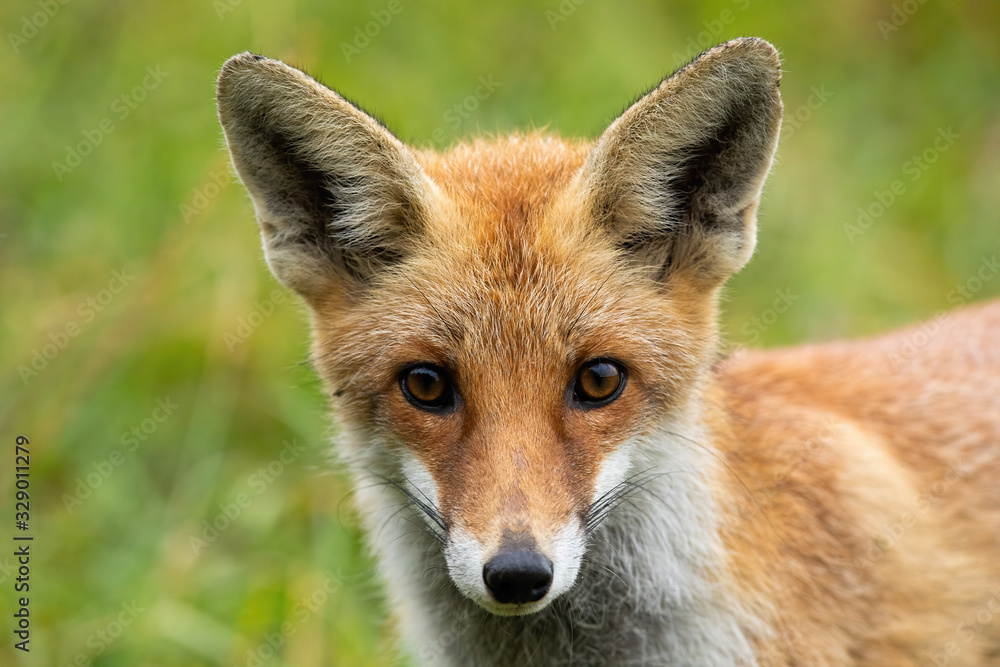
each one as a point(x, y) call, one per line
point(614, 574)
point(750, 494)
point(601, 508)
point(425, 506)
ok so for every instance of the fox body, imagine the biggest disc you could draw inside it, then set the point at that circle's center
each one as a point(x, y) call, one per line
point(553, 462)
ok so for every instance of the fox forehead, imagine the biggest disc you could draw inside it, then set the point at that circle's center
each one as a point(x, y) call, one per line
point(501, 187)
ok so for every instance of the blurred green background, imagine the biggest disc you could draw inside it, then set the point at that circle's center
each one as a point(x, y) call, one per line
point(146, 355)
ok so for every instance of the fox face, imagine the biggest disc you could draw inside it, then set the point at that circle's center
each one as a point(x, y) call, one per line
point(510, 380)
point(504, 326)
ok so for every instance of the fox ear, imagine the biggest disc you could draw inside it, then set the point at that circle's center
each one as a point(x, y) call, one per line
point(676, 179)
point(337, 196)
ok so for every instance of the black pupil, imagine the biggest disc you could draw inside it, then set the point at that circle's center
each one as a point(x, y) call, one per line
point(425, 384)
point(600, 380)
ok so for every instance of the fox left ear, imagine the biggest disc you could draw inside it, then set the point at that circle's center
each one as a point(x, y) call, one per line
point(676, 179)
point(339, 199)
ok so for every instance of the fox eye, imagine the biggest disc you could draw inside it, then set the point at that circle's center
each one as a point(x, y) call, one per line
point(427, 387)
point(599, 382)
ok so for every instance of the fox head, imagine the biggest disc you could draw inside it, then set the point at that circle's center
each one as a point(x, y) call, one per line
point(504, 327)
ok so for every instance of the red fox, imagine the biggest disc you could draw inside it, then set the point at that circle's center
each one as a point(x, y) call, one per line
point(553, 461)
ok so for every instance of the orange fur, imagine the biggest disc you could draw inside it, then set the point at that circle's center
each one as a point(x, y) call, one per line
point(831, 505)
point(873, 528)
point(806, 505)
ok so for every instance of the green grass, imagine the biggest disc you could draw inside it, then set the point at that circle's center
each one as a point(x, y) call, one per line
point(145, 201)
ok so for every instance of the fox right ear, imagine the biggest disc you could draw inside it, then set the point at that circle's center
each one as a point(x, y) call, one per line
point(337, 196)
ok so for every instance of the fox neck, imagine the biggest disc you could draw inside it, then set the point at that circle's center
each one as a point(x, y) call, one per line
point(650, 589)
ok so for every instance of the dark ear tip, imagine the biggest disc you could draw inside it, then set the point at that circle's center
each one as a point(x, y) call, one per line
point(241, 62)
point(754, 56)
point(754, 49)
point(754, 43)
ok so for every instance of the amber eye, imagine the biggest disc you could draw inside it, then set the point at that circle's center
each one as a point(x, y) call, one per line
point(427, 387)
point(599, 382)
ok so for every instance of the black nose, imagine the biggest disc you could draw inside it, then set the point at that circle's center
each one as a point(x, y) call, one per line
point(518, 576)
